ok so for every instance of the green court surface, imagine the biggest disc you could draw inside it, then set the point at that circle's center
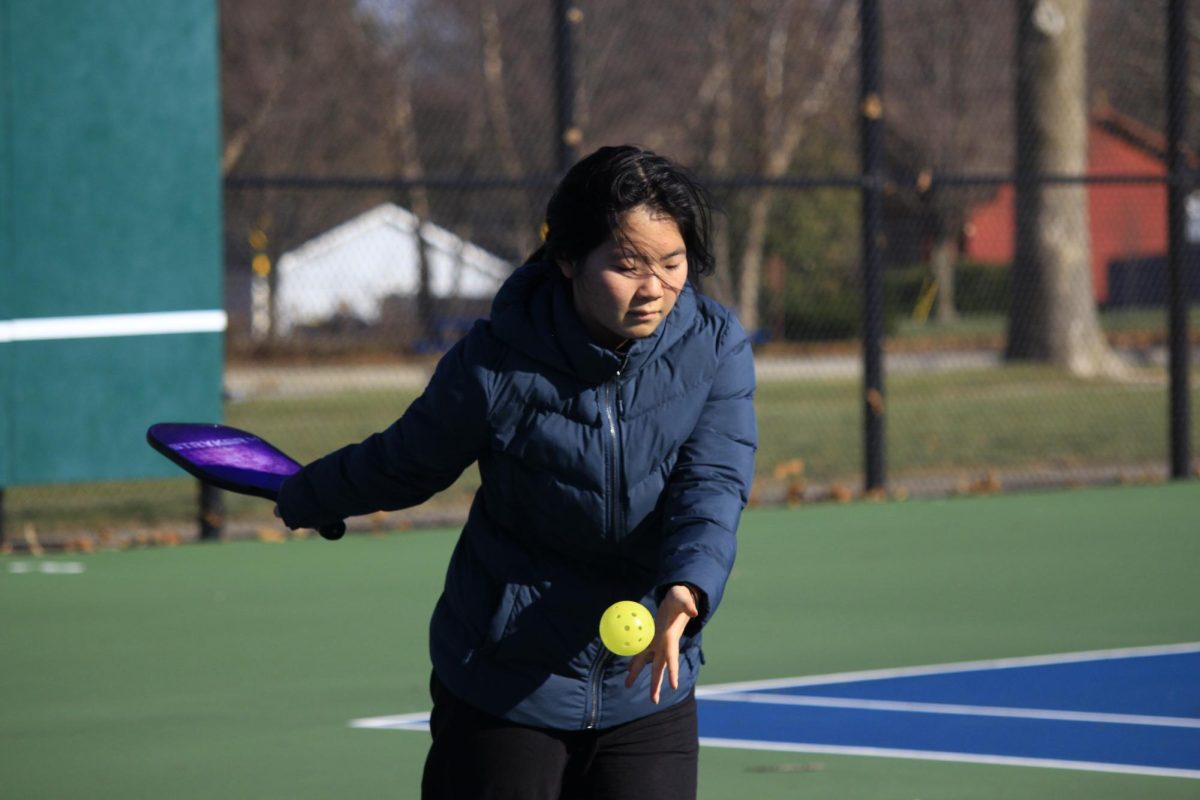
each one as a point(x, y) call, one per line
point(232, 670)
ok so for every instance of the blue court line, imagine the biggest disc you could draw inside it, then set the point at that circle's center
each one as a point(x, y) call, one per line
point(1135, 710)
point(1136, 747)
point(1155, 685)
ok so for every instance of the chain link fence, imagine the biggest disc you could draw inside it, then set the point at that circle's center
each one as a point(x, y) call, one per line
point(387, 163)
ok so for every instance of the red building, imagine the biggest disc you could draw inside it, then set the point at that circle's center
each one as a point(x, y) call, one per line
point(1128, 221)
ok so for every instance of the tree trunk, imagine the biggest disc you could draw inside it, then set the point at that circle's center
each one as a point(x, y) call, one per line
point(720, 286)
point(525, 218)
point(781, 134)
point(750, 269)
point(408, 155)
point(1053, 316)
point(943, 259)
point(238, 139)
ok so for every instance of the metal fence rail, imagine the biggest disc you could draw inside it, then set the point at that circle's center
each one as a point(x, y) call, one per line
point(886, 186)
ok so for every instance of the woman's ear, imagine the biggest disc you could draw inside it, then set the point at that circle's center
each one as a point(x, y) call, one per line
point(566, 268)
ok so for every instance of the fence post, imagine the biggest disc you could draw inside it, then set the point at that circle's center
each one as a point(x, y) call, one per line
point(566, 16)
point(211, 514)
point(1178, 186)
point(871, 111)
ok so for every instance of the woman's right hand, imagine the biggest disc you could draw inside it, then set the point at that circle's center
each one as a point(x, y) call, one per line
point(676, 610)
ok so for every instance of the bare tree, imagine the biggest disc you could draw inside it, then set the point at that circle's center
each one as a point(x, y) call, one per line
point(1126, 66)
point(1053, 316)
point(289, 70)
point(402, 132)
point(772, 67)
point(716, 103)
point(785, 117)
point(500, 118)
point(948, 72)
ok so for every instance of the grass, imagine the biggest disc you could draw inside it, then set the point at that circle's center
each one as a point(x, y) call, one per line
point(966, 420)
point(939, 425)
point(1147, 322)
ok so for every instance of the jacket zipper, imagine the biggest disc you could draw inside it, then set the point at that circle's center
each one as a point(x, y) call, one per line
point(594, 691)
point(612, 408)
point(614, 468)
point(612, 411)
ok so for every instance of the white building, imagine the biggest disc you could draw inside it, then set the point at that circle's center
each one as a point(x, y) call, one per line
point(350, 269)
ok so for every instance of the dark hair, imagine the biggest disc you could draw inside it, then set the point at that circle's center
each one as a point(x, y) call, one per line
point(586, 207)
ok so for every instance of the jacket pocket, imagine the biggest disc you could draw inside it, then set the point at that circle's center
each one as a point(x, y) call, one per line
point(545, 626)
point(502, 616)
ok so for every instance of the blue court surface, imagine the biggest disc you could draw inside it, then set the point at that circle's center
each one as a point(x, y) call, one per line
point(1133, 711)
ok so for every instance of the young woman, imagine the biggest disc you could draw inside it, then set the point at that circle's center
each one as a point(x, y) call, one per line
point(610, 410)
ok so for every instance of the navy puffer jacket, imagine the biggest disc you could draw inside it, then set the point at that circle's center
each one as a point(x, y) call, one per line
point(605, 476)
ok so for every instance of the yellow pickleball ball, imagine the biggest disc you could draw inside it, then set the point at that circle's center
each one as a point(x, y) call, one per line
point(626, 628)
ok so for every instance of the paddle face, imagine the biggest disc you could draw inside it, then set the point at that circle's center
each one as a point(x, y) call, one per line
point(226, 457)
point(230, 459)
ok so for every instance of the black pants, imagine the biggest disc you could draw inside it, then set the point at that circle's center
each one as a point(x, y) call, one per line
point(476, 756)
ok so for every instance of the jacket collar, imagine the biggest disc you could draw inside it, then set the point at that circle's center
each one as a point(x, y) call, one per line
point(533, 312)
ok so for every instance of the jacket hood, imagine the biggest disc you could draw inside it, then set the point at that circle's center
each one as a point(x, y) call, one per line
point(533, 312)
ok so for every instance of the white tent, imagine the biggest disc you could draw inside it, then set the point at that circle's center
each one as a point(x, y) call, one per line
point(353, 267)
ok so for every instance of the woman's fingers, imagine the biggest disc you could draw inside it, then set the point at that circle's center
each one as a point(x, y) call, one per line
point(662, 655)
point(666, 663)
point(635, 666)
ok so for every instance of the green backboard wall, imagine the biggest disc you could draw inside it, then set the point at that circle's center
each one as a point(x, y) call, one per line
point(110, 245)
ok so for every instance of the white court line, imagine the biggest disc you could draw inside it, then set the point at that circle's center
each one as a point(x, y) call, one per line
point(420, 721)
point(962, 758)
point(107, 325)
point(960, 666)
point(47, 567)
point(396, 722)
point(956, 709)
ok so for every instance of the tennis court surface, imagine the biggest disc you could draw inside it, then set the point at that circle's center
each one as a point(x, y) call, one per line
point(1135, 711)
point(1040, 645)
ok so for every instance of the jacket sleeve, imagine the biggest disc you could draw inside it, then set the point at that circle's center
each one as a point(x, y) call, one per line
point(440, 435)
point(710, 484)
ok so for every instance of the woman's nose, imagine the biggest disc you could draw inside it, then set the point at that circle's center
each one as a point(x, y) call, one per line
point(651, 284)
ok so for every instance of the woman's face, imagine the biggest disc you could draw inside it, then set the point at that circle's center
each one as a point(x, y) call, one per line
point(625, 288)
